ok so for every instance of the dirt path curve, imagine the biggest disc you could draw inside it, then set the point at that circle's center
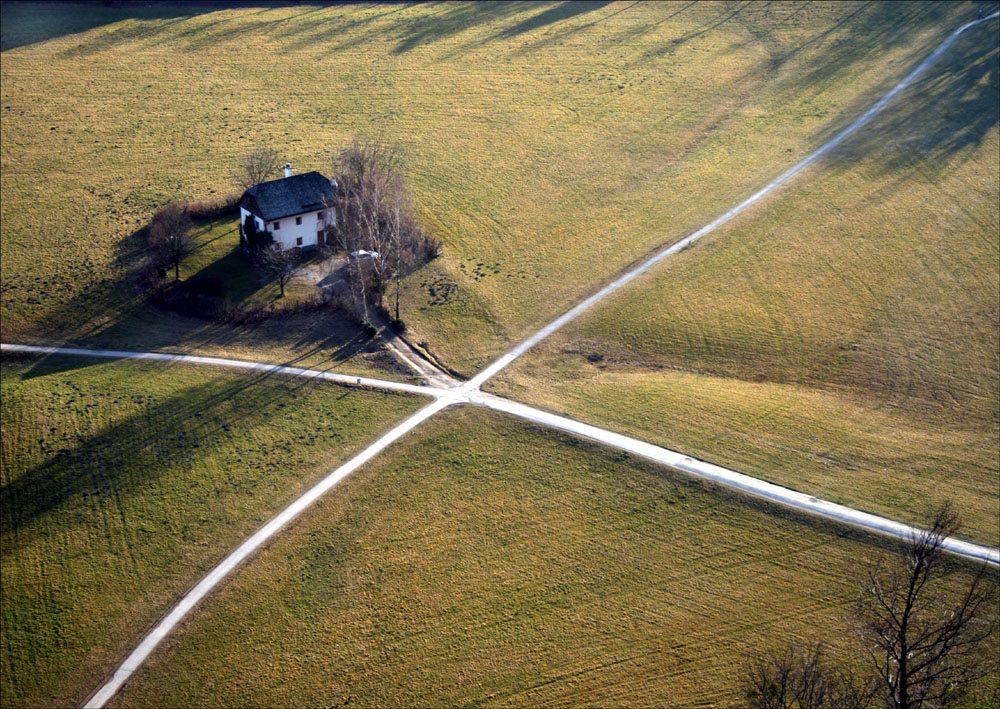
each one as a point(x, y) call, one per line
point(416, 361)
point(469, 393)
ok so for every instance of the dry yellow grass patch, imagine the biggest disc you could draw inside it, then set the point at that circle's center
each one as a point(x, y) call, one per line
point(483, 561)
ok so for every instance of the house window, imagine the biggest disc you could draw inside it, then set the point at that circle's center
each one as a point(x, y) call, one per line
point(298, 242)
point(319, 216)
point(277, 225)
point(298, 220)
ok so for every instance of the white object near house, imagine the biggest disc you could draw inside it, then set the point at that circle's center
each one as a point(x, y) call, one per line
point(296, 209)
point(361, 253)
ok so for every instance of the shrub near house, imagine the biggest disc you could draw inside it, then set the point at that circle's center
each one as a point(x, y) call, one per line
point(213, 279)
point(296, 210)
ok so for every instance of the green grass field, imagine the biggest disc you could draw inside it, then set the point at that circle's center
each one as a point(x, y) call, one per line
point(124, 482)
point(607, 129)
point(217, 255)
point(483, 561)
point(841, 448)
point(841, 339)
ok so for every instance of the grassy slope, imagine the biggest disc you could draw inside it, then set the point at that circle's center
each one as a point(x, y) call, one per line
point(123, 482)
point(552, 144)
point(488, 562)
point(837, 447)
point(843, 337)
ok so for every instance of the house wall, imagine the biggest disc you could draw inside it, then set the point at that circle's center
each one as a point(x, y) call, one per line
point(289, 233)
point(243, 218)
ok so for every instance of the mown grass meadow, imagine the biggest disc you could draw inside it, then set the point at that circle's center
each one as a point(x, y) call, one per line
point(124, 482)
point(549, 144)
point(484, 561)
point(842, 339)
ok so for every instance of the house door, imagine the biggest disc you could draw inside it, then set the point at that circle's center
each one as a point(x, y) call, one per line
point(319, 238)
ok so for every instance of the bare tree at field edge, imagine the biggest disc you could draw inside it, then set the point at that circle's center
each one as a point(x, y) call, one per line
point(376, 215)
point(924, 646)
point(923, 643)
point(170, 238)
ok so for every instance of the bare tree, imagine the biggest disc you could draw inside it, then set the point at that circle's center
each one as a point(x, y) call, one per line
point(922, 634)
point(923, 642)
point(361, 281)
point(801, 679)
point(169, 237)
point(279, 264)
point(255, 166)
point(376, 216)
point(371, 160)
point(394, 227)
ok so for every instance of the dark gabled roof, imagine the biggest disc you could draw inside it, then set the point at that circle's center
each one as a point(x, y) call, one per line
point(291, 195)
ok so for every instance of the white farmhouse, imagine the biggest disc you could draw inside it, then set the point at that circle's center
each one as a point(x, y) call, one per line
point(295, 209)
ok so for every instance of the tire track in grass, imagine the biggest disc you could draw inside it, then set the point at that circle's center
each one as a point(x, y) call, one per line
point(469, 393)
point(505, 360)
point(464, 394)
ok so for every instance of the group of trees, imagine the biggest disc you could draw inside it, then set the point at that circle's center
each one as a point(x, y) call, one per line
point(376, 222)
point(921, 638)
point(375, 225)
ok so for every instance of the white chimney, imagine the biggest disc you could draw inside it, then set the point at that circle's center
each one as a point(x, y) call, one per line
point(288, 169)
point(333, 182)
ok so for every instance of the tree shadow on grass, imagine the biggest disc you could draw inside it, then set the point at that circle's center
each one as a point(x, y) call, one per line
point(868, 34)
point(949, 110)
point(324, 31)
point(629, 35)
point(112, 313)
point(551, 15)
point(51, 364)
point(124, 458)
point(727, 13)
point(26, 23)
point(452, 20)
point(225, 28)
point(410, 30)
point(939, 121)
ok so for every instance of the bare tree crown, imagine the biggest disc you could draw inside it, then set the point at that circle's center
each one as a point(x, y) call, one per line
point(921, 635)
point(169, 236)
point(375, 214)
point(922, 640)
point(279, 264)
point(256, 166)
